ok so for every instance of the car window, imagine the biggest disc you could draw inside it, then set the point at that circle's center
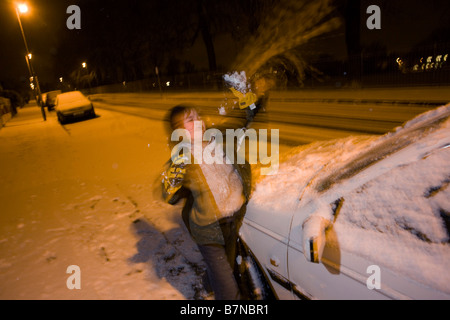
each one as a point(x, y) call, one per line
point(52, 94)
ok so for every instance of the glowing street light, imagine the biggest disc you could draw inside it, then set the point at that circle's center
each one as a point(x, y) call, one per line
point(23, 8)
point(83, 65)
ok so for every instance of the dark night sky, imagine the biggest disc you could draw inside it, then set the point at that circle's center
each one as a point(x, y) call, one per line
point(42, 27)
point(404, 24)
point(407, 23)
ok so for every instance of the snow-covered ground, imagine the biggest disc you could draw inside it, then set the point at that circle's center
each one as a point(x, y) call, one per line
point(83, 194)
point(87, 194)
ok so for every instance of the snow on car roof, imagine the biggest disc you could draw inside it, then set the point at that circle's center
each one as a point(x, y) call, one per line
point(70, 96)
point(396, 211)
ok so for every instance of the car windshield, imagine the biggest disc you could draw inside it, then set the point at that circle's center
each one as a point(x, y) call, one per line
point(53, 94)
point(387, 147)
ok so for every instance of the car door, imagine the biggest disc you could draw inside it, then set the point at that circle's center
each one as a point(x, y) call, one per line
point(266, 235)
point(388, 236)
point(338, 275)
point(360, 263)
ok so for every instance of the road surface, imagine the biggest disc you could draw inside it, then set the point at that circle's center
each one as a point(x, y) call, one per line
point(299, 120)
point(85, 194)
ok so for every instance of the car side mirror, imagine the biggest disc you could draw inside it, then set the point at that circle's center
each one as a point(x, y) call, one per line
point(314, 238)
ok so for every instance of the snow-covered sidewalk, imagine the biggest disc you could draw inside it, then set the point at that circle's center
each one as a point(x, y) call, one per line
point(84, 194)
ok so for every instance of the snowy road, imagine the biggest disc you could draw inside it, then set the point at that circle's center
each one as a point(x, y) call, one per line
point(300, 118)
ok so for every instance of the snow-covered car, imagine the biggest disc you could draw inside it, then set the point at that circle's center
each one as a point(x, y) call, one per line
point(72, 105)
point(364, 217)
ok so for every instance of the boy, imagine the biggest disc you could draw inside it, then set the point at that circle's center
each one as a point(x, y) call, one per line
point(216, 194)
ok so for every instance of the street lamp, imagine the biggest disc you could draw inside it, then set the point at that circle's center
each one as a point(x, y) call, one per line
point(23, 8)
point(85, 75)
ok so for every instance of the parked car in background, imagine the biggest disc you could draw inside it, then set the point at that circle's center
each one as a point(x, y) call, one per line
point(73, 105)
point(364, 217)
point(50, 99)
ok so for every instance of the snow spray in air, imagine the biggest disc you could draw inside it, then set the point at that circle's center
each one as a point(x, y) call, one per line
point(283, 30)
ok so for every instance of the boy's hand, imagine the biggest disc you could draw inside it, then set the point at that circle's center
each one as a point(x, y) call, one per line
point(245, 99)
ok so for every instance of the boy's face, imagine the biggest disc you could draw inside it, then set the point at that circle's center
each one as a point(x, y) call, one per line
point(186, 121)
